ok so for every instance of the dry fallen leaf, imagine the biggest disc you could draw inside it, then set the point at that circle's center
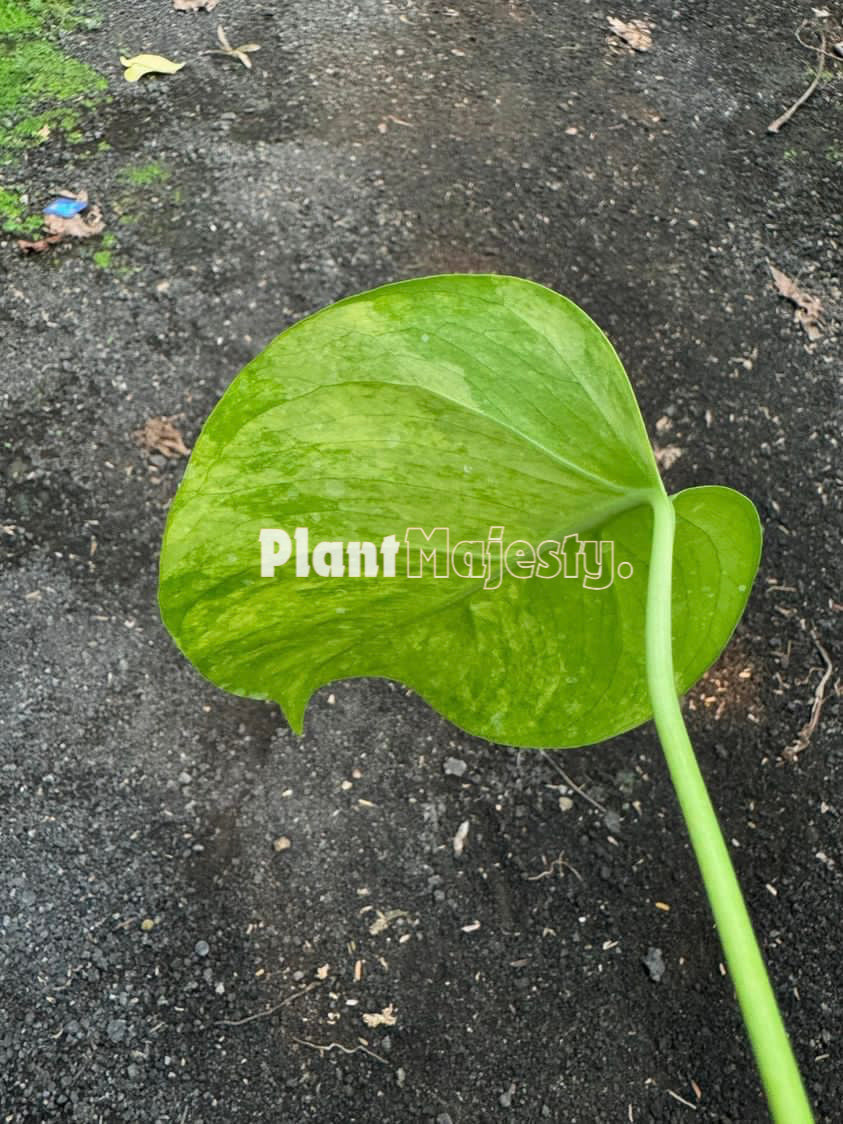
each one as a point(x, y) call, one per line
point(39, 245)
point(194, 5)
point(384, 920)
point(809, 309)
point(635, 33)
point(386, 1017)
point(225, 48)
point(159, 435)
point(77, 226)
point(138, 65)
point(666, 455)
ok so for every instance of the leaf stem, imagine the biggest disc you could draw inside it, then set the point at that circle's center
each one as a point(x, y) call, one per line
point(779, 1073)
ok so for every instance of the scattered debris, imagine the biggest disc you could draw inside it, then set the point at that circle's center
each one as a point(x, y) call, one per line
point(808, 309)
point(282, 843)
point(634, 35)
point(194, 5)
point(505, 1099)
point(666, 455)
point(681, 1100)
point(555, 867)
point(138, 65)
point(460, 838)
point(788, 113)
point(241, 52)
point(67, 216)
point(322, 972)
point(572, 784)
point(807, 731)
point(384, 920)
point(270, 1010)
point(161, 436)
point(339, 1046)
point(79, 225)
point(386, 1017)
point(565, 803)
point(39, 245)
point(654, 963)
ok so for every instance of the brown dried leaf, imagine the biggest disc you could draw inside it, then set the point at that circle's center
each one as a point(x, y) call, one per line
point(809, 309)
point(635, 33)
point(79, 226)
point(39, 245)
point(159, 435)
point(666, 455)
point(194, 5)
point(386, 1017)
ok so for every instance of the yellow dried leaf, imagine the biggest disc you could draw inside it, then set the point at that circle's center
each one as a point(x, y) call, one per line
point(138, 65)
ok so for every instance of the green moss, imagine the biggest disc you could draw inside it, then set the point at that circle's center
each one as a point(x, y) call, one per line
point(40, 16)
point(145, 175)
point(41, 88)
point(13, 219)
point(103, 257)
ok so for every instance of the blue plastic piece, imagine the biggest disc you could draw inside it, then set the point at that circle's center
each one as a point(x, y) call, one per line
point(65, 208)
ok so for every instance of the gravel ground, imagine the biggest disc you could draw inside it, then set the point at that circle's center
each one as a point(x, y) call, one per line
point(164, 954)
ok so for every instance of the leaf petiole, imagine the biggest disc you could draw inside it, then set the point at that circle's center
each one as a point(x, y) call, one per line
point(779, 1073)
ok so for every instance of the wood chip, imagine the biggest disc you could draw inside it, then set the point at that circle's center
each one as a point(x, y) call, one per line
point(635, 34)
point(808, 309)
point(666, 455)
point(159, 435)
point(386, 1017)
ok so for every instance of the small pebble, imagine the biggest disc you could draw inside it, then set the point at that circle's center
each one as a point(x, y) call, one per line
point(613, 822)
point(454, 767)
point(282, 843)
point(116, 1030)
point(565, 803)
point(505, 1099)
point(654, 963)
point(201, 948)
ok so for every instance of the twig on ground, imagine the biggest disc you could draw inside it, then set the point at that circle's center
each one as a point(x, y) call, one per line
point(555, 867)
point(788, 113)
point(271, 1010)
point(324, 1047)
point(571, 783)
point(807, 731)
point(681, 1100)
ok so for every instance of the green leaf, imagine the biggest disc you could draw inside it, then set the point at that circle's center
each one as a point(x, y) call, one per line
point(461, 402)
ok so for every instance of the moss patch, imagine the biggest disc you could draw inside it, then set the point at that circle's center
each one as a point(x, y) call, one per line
point(144, 175)
point(13, 217)
point(41, 88)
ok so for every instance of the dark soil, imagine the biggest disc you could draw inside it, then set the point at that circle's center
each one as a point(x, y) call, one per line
point(133, 791)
